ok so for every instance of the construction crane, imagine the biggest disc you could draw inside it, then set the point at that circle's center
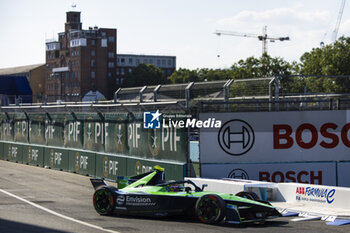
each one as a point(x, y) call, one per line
point(264, 38)
point(337, 24)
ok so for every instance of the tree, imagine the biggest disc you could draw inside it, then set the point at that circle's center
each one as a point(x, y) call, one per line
point(144, 74)
point(333, 59)
point(184, 76)
point(265, 66)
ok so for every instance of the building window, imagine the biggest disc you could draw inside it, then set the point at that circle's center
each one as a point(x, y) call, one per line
point(110, 64)
point(117, 71)
point(117, 81)
point(93, 74)
point(122, 71)
point(150, 61)
point(109, 74)
point(122, 60)
point(169, 62)
point(93, 42)
point(163, 62)
point(92, 63)
point(158, 62)
point(92, 53)
point(130, 70)
point(130, 60)
point(111, 55)
point(111, 39)
point(137, 62)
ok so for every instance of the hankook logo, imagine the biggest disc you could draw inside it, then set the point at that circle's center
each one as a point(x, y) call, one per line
point(238, 174)
point(236, 137)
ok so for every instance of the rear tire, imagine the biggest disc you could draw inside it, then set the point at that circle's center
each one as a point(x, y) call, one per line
point(248, 195)
point(104, 200)
point(210, 209)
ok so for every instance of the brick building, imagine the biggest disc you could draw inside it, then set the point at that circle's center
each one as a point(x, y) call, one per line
point(80, 61)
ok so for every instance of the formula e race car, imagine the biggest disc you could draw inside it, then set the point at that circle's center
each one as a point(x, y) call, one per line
point(149, 194)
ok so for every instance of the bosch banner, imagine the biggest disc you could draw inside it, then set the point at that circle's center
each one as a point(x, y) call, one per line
point(307, 173)
point(276, 137)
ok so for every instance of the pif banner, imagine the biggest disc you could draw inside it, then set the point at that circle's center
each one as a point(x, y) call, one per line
point(94, 129)
point(21, 127)
point(165, 143)
point(116, 133)
point(73, 130)
point(54, 129)
point(37, 129)
point(7, 127)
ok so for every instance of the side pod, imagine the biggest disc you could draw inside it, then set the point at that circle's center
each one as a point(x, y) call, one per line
point(97, 183)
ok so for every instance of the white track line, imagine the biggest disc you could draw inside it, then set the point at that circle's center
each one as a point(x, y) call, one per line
point(57, 214)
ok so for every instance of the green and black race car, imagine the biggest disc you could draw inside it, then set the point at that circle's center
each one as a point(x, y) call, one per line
point(150, 195)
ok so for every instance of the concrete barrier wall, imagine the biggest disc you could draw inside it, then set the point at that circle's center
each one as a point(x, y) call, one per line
point(105, 145)
point(95, 164)
point(321, 199)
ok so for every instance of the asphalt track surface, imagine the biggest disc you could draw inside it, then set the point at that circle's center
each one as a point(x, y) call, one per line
point(34, 199)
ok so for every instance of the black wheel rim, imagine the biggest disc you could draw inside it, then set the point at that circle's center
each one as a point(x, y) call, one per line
point(208, 209)
point(102, 201)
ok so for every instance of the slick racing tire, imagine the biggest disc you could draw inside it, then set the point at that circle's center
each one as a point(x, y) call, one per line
point(210, 209)
point(103, 200)
point(248, 195)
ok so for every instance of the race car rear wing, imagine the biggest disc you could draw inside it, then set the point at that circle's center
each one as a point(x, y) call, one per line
point(97, 183)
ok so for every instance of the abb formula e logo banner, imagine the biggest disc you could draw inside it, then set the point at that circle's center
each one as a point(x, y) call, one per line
point(276, 137)
point(315, 194)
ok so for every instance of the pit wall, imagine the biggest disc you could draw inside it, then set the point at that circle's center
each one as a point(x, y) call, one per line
point(99, 145)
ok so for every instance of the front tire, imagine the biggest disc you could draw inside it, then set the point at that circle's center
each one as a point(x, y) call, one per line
point(210, 209)
point(103, 200)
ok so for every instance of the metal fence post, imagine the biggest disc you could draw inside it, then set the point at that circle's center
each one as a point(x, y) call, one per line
point(141, 93)
point(155, 93)
point(227, 93)
point(188, 95)
point(116, 95)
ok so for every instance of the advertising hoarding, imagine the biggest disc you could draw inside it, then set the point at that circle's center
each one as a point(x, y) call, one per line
point(276, 137)
point(307, 173)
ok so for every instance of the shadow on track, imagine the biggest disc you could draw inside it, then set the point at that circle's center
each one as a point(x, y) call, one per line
point(278, 222)
point(17, 227)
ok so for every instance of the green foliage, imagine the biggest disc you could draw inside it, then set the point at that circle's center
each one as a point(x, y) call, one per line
point(184, 76)
point(265, 66)
point(333, 59)
point(144, 74)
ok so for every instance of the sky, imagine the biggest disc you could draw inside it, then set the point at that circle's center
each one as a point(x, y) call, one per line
point(181, 28)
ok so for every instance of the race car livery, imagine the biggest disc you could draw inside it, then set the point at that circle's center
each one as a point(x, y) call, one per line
point(149, 194)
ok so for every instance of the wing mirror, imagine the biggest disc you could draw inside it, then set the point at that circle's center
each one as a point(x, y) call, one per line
point(203, 186)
